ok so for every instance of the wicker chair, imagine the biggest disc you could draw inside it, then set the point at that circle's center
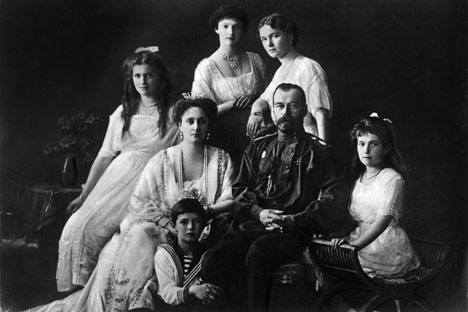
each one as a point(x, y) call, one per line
point(343, 264)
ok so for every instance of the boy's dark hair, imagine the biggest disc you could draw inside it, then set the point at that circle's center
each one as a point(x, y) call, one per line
point(187, 205)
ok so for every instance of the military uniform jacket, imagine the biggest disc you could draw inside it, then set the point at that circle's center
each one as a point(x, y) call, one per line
point(301, 177)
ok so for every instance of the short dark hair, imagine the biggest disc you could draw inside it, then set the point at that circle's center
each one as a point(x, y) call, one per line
point(280, 21)
point(187, 205)
point(290, 86)
point(208, 106)
point(229, 11)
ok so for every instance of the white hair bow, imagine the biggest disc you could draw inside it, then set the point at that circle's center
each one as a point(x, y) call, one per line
point(374, 114)
point(150, 49)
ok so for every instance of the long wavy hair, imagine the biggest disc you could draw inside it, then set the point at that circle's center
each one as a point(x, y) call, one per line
point(383, 129)
point(131, 97)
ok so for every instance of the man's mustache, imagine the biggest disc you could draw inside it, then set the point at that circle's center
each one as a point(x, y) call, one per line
point(283, 119)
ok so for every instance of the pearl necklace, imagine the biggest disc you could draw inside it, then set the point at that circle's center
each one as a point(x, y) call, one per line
point(365, 175)
point(202, 197)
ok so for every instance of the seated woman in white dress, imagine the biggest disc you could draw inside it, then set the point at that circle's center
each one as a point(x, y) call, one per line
point(124, 278)
point(377, 201)
point(138, 129)
point(279, 36)
point(232, 78)
point(178, 264)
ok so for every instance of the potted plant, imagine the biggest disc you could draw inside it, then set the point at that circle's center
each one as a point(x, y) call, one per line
point(74, 143)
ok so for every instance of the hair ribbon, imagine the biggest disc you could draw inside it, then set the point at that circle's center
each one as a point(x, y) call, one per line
point(375, 115)
point(153, 49)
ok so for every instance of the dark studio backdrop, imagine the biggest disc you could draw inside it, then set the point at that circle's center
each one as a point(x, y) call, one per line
point(405, 60)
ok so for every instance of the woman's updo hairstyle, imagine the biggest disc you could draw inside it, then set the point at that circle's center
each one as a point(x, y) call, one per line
point(279, 21)
point(208, 106)
point(383, 129)
point(231, 12)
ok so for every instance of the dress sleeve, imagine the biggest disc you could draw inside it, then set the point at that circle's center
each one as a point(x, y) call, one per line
point(226, 187)
point(260, 70)
point(169, 290)
point(392, 199)
point(113, 139)
point(317, 90)
point(145, 203)
point(267, 94)
point(202, 81)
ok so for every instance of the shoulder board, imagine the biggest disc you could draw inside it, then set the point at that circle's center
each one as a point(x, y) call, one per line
point(266, 136)
point(316, 139)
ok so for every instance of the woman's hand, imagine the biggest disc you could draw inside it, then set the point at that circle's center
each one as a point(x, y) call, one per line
point(243, 102)
point(170, 227)
point(75, 205)
point(166, 223)
point(254, 124)
point(206, 293)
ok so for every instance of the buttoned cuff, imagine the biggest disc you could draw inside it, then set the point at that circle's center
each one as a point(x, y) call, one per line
point(255, 212)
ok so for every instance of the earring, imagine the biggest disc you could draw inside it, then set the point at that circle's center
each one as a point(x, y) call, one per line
point(208, 136)
point(181, 135)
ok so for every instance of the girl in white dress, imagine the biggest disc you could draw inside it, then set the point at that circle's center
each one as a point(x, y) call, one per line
point(377, 201)
point(138, 129)
point(279, 36)
point(232, 78)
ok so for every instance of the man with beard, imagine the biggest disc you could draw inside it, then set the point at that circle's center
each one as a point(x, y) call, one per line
point(290, 186)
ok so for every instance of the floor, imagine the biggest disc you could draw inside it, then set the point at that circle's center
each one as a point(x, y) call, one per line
point(27, 275)
point(27, 272)
point(27, 265)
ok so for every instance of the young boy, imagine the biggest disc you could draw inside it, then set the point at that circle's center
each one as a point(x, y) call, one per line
point(178, 265)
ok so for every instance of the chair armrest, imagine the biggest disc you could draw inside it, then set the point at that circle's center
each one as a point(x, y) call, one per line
point(341, 261)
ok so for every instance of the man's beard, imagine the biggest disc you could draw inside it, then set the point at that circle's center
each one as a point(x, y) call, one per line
point(286, 125)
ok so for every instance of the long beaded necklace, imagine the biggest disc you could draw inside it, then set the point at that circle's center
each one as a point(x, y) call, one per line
point(205, 180)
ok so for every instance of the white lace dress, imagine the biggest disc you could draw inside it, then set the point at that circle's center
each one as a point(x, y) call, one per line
point(210, 81)
point(124, 277)
point(309, 75)
point(90, 228)
point(390, 254)
point(229, 130)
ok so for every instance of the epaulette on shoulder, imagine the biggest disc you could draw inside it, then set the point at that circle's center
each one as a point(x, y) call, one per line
point(316, 140)
point(266, 136)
